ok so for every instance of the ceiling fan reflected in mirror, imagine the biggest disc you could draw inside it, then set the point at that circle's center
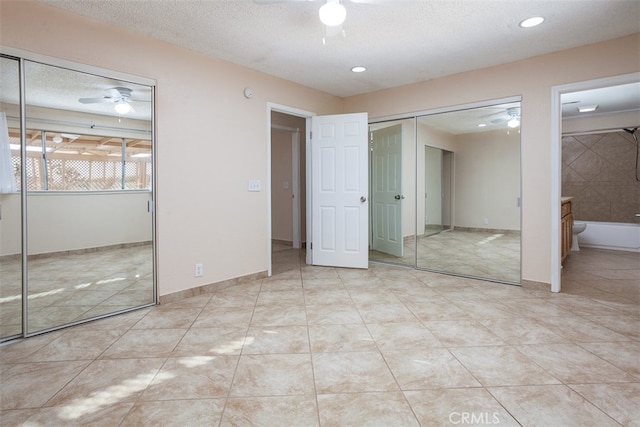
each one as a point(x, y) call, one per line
point(511, 116)
point(120, 96)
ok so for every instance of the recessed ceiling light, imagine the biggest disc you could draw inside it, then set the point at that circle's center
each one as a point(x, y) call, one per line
point(359, 69)
point(532, 22)
point(588, 108)
point(481, 125)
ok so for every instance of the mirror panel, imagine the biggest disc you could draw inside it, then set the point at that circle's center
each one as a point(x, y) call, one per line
point(392, 193)
point(471, 212)
point(10, 201)
point(89, 222)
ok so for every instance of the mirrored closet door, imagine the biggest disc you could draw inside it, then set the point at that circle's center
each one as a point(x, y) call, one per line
point(87, 173)
point(10, 201)
point(456, 195)
point(392, 192)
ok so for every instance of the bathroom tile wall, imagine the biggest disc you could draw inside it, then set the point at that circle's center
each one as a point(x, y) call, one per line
point(598, 170)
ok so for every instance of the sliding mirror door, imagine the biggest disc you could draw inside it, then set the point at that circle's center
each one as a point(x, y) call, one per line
point(10, 201)
point(392, 188)
point(470, 164)
point(89, 196)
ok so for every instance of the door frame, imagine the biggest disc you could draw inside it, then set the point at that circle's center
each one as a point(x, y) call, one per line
point(556, 160)
point(307, 115)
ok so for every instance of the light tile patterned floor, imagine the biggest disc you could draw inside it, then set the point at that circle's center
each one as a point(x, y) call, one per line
point(104, 281)
point(493, 255)
point(335, 347)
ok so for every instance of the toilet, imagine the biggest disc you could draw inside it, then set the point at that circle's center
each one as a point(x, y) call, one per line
point(578, 227)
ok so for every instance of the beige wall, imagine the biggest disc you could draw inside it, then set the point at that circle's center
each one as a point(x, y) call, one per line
point(487, 184)
point(69, 221)
point(211, 140)
point(533, 79)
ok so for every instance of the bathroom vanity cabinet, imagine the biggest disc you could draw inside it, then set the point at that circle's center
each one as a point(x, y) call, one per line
point(566, 225)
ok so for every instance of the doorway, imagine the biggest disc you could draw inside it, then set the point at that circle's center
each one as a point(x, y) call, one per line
point(338, 196)
point(438, 200)
point(286, 195)
point(556, 159)
point(287, 186)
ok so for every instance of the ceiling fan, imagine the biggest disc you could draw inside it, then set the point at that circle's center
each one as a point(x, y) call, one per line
point(120, 96)
point(511, 116)
point(332, 13)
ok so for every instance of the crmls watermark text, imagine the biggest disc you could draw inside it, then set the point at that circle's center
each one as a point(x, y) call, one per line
point(474, 418)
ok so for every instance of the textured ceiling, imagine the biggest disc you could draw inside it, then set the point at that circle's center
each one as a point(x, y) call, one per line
point(400, 42)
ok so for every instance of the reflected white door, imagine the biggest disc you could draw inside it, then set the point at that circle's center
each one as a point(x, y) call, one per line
point(387, 191)
point(339, 190)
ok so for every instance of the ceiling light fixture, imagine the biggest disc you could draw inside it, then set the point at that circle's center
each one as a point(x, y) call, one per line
point(532, 22)
point(514, 122)
point(332, 13)
point(588, 108)
point(122, 107)
point(57, 139)
point(482, 125)
point(359, 69)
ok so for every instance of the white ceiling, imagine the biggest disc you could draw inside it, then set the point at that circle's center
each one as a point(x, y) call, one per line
point(400, 42)
point(607, 99)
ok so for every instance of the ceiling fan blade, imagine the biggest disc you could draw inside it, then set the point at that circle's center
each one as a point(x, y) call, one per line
point(95, 100)
point(112, 93)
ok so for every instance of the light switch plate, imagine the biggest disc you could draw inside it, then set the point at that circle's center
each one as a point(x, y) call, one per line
point(254, 185)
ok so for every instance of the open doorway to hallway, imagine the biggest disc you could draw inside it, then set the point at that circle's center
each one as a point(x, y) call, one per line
point(288, 181)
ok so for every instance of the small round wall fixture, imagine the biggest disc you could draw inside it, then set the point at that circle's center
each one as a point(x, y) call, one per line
point(248, 93)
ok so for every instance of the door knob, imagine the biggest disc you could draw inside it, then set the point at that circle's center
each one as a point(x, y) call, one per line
point(363, 199)
point(398, 197)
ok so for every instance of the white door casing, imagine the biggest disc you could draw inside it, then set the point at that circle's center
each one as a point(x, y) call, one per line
point(387, 197)
point(340, 190)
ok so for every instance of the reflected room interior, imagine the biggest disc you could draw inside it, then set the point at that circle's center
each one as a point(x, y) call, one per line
point(86, 169)
point(455, 178)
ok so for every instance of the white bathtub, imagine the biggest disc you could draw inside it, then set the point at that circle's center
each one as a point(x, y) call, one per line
point(611, 235)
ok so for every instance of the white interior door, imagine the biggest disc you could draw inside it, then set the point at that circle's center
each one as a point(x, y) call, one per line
point(387, 198)
point(339, 190)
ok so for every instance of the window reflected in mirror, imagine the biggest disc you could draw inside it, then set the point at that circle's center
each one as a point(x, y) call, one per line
point(88, 179)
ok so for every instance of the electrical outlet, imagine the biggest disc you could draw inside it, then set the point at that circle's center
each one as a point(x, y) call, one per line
point(254, 185)
point(199, 270)
point(485, 221)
